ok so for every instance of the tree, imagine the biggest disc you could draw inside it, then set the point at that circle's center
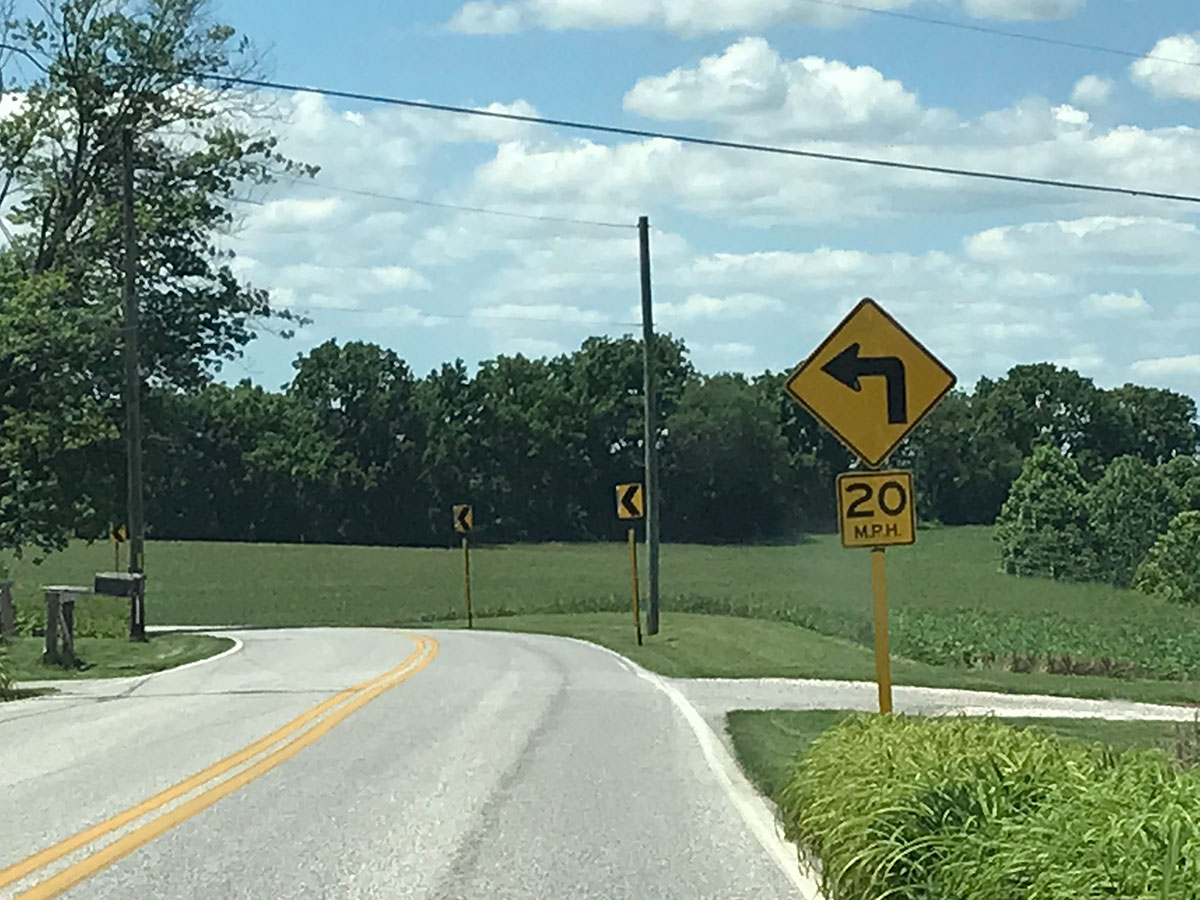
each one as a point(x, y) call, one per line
point(1183, 480)
point(1042, 527)
point(814, 459)
point(964, 466)
point(362, 397)
point(726, 465)
point(103, 68)
point(1156, 424)
point(1128, 508)
point(1171, 569)
point(1044, 404)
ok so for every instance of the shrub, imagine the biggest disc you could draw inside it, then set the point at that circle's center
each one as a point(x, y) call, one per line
point(928, 809)
point(1043, 527)
point(1130, 506)
point(1171, 570)
point(5, 678)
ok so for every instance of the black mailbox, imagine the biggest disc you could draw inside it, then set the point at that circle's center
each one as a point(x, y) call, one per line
point(117, 584)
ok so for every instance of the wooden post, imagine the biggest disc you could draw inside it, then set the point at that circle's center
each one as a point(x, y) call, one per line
point(8, 614)
point(50, 647)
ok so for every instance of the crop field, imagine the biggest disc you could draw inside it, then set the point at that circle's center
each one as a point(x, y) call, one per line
point(950, 604)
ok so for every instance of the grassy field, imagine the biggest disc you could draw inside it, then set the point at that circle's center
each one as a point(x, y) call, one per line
point(112, 657)
point(952, 610)
point(768, 742)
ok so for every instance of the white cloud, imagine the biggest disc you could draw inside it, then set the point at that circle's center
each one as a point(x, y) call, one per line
point(1091, 91)
point(750, 88)
point(1116, 304)
point(1111, 242)
point(1082, 358)
point(544, 312)
point(400, 317)
point(1012, 10)
point(1168, 365)
point(1169, 71)
point(692, 17)
point(702, 306)
point(734, 348)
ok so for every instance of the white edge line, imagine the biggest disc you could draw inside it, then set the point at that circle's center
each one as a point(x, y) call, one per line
point(745, 798)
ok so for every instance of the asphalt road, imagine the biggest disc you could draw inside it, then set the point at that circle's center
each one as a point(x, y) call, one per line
point(483, 765)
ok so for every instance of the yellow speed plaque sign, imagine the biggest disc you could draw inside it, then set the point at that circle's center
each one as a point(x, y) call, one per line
point(876, 509)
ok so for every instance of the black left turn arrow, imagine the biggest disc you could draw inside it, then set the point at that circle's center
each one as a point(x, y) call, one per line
point(847, 367)
point(628, 498)
point(464, 518)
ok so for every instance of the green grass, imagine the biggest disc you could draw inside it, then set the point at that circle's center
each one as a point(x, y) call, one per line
point(703, 646)
point(769, 742)
point(949, 605)
point(113, 657)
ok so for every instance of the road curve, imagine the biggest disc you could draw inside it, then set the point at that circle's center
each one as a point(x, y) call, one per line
point(483, 765)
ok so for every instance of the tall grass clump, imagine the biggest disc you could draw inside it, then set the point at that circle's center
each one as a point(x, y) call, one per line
point(930, 809)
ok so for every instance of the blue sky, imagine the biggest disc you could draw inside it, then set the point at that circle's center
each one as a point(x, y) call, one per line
point(755, 257)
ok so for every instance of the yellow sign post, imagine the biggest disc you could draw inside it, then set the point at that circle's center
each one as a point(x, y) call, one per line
point(883, 659)
point(464, 522)
point(876, 509)
point(118, 535)
point(870, 383)
point(631, 504)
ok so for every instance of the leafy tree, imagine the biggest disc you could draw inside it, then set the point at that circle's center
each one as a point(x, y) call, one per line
point(814, 459)
point(963, 468)
point(1042, 528)
point(1156, 424)
point(727, 464)
point(101, 68)
point(363, 398)
point(1183, 479)
point(1044, 404)
point(1171, 569)
point(1127, 509)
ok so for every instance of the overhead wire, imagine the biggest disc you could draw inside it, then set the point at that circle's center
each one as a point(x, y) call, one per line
point(578, 125)
point(999, 32)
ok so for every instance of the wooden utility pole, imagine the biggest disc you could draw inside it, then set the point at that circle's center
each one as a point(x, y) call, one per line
point(133, 391)
point(651, 429)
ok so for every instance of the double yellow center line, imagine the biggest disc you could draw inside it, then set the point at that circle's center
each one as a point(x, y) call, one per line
point(262, 756)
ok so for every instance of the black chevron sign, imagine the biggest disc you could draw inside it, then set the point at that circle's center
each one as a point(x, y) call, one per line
point(631, 501)
point(464, 519)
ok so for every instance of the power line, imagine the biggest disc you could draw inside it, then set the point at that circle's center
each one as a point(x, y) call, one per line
point(508, 214)
point(1000, 32)
point(476, 317)
point(577, 125)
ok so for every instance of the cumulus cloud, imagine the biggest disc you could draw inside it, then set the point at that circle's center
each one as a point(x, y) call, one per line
point(1168, 366)
point(750, 87)
point(702, 306)
point(706, 16)
point(1169, 70)
point(1123, 242)
point(1116, 304)
point(1091, 91)
point(1032, 10)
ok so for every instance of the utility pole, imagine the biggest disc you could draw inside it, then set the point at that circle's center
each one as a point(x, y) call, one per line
point(133, 381)
point(651, 431)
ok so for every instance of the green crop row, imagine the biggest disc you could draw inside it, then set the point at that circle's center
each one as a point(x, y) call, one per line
point(928, 809)
point(1155, 647)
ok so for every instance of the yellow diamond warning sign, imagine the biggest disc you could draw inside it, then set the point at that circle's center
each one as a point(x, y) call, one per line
point(870, 382)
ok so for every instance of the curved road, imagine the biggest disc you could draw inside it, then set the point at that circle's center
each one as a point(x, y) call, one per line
point(374, 764)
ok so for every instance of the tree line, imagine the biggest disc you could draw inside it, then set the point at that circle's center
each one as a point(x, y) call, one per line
point(358, 449)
